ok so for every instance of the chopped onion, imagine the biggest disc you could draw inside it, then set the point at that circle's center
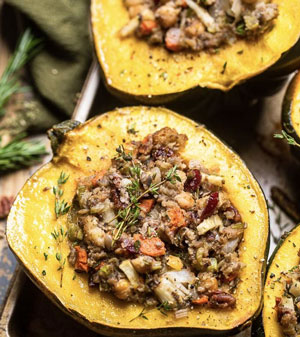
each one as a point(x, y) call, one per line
point(171, 288)
point(208, 224)
point(236, 8)
point(133, 277)
point(131, 26)
point(212, 179)
point(231, 246)
point(203, 15)
point(295, 288)
point(288, 302)
point(183, 276)
point(181, 313)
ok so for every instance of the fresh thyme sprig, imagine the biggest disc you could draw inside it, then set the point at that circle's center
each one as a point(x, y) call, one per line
point(129, 216)
point(27, 47)
point(283, 135)
point(59, 236)
point(122, 155)
point(61, 207)
point(162, 308)
point(19, 153)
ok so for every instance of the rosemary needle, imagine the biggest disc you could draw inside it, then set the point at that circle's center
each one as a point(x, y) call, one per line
point(19, 153)
point(27, 47)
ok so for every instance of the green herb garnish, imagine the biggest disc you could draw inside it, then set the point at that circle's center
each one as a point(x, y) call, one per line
point(59, 234)
point(61, 207)
point(283, 135)
point(241, 29)
point(129, 216)
point(224, 68)
point(132, 130)
point(141, 314)
point(163, 307)
point(137, 245)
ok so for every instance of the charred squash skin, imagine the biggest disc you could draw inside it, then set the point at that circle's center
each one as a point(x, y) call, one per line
point(32, 219)
point(291, 112)
point(137, 72)
point(284, 258)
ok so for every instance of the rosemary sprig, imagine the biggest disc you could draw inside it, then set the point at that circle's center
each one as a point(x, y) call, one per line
point(283, 135)
point(129, 216)
point(19, 153)
point(27, 47)
point(61, 207)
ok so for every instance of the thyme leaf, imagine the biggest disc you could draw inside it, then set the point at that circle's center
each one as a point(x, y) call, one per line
point(61, 207)
point(290, 140)
point(129, 216)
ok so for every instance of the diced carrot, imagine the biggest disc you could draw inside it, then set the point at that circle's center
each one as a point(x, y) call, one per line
point(81, 260)
point(146, 205)
point(201, 300)
point(176, 218)
point(150, 246)
point(183, 3)
point(289, 281)
point(230, 278)
point(101, 264)
point(172, 39)
point(147, 26)
point(97, 177)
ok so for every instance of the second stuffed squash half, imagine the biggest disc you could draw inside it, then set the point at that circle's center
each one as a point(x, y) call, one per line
point(135, 70)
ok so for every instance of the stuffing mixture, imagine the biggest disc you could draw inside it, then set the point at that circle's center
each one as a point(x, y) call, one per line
point(156, 229)
point(288, 306)
point(197, 25)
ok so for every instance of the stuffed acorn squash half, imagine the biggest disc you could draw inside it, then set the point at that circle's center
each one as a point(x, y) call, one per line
point(155, 51)
point(282, 289)
point(144, 223)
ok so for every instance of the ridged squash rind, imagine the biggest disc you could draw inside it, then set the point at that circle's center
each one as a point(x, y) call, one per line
point(32, 220)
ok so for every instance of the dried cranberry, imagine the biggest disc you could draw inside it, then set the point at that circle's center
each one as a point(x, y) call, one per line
point(237, 217)
point(162, 152)
point(128, 245)
point(211, 205)
point(193, 181)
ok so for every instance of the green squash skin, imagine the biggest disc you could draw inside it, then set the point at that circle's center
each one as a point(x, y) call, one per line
point(119, 332)
point(287, 124)
point(258, 326)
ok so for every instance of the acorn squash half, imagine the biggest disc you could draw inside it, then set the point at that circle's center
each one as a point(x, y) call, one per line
point(284, 258)
point(134, 69)
point(291, 112)
point(32, 219)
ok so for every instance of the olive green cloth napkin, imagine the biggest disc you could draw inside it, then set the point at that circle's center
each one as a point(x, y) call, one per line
point(59, 70)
